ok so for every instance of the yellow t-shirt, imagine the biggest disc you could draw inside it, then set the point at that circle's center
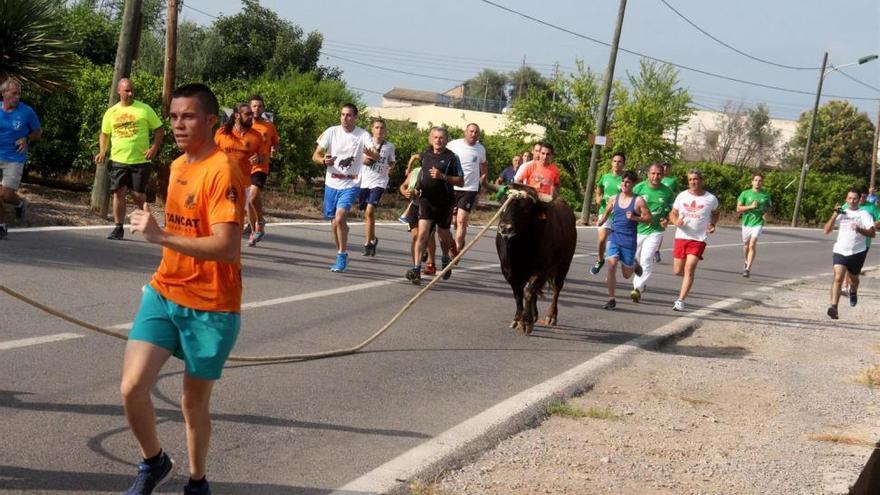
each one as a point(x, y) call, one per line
point(129, 130)
point(200, 195)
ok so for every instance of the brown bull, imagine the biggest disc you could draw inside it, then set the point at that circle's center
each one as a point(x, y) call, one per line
point(536, 241)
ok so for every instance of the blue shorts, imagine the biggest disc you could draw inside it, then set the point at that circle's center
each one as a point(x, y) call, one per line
point(202, 339)
point(338, 199)
point(370, 196)
point(626, 254)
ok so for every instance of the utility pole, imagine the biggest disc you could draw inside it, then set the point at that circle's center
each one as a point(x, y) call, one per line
point(874, 150)
point(522, 73)
point(125, 51)
point(805, 166)
point(170, 56)
point(603, 110)
point(555, 78)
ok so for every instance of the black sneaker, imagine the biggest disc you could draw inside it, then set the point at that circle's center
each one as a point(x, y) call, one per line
point(597, 266)
point(366, 250)
point(3, 231)
point(21, 209)
point(746, 273)
point(150, 477)
point(414, 275)
point(832, 312)
point(657, 258)
point(202, 489)
point(637, 269)
point(373, 244)
point(445, 262)
point(610, 305)
point(246, 231)
point(853, 298)
point(117, 234)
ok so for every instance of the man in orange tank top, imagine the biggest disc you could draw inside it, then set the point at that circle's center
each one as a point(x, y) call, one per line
point(260, 172)
point(191, 307)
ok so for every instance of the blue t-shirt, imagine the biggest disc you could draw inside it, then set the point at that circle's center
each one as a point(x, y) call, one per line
point(508, 174)
point(14, 125)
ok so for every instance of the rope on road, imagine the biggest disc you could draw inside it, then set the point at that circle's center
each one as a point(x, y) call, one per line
point(513, 194)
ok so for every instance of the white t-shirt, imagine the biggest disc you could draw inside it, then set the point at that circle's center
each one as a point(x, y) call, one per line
point(377, 174)
point(344, 145)
point(849, 241)
point(521, 171)
point(697, 214)
point(471, 157)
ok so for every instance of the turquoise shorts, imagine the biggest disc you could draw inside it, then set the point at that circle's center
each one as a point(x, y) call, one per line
point(202, 339)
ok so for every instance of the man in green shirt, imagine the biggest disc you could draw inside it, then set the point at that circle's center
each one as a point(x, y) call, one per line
point(753, 204)
point(668, 179)
point(607, 186)
point(126, 127)
point(659, 199)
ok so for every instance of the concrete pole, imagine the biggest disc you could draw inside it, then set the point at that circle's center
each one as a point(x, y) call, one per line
point(603, 110)
point(125, 52)
point(800, 193)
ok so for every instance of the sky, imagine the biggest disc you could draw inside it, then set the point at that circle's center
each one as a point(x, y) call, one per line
point(382, 44)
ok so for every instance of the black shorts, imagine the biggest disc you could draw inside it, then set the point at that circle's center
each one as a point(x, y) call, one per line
point(411, 215)
point(853, 262)
point(134, 177)
point(369, 196)
point(259, 179)
point(441, 215)
point(466, 200)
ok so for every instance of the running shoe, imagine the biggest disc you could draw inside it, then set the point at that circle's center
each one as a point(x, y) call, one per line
point(832, 312)
point(657, 257)
point(246, 231)
point(252, 240)
point(341, 263)
point(366, 250)
point(258, 236)
point(853, 298)
point(117, 234)
point(20, 209)
point(746, 273)
point(678, 306)
point(150, 477)
point(637, 269)
point(3, 231)
point(597, 266)
point(610, 305)
point(445, 260)
point(373, 244)
point(413, 275)
point(430, 269)
point(202, 489)
point(635, 295)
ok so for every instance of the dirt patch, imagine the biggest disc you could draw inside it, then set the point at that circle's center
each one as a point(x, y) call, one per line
point(755, 402)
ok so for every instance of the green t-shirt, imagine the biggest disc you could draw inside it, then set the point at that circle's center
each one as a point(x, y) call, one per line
point(129, 130)
point(659, 201)
point(671, 182)
point(610, 185)
point(754, 218)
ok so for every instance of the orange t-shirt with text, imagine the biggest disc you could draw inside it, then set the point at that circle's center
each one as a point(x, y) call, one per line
point(542, 178)
point(200, 195)
point(240, 147)
point(270, 136)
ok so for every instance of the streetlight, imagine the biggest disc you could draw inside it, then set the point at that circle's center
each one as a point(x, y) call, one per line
point(800, 193)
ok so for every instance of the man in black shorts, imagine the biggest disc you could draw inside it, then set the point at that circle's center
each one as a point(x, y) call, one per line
point(472, 156)
point(441, 170)
point(126, 128)
point(855, 227)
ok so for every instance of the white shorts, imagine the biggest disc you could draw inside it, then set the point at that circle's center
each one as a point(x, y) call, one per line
point(751, 232)
point(11, 173)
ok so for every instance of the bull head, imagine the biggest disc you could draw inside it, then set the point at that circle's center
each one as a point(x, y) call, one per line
point(517, 211)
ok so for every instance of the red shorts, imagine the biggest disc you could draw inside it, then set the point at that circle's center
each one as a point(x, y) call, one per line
point(683, 247)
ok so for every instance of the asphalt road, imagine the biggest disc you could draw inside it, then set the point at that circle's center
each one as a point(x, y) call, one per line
point(310, 427)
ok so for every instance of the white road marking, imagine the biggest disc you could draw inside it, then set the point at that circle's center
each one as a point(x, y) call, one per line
point(14, 344)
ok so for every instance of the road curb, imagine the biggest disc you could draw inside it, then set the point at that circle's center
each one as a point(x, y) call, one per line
point(461, 443)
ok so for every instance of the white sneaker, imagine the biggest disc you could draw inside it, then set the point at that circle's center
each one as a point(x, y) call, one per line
point(678, 306)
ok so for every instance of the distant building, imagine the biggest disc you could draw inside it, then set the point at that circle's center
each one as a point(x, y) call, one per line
point(701, 139)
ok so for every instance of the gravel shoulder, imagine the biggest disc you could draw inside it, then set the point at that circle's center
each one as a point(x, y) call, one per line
point(764, 400)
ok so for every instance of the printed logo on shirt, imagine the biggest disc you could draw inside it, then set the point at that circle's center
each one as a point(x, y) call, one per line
point(181, 182)
point(190, 202)
point(17, 124)
point(182, 221)
point(693, 207)
point(231, 194)
point(125, 126)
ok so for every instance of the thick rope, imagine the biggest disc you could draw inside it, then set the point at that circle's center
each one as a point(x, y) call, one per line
point(289, 357)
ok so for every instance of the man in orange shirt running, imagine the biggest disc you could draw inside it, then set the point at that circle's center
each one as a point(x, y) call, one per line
point(191, 308)
point(245, 147)
point(260, 172)
point(541, 173)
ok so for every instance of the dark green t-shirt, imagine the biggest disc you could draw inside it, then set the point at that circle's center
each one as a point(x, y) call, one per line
point(659, 201)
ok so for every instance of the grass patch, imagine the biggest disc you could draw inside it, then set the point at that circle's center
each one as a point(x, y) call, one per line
point(419, 487)
point(869, 377)
point(841, 439)
point(566, 410)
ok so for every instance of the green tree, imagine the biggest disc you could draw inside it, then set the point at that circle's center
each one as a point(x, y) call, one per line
point(842, 140)
point(653, 107)
point(33, 46)
point(93, 33)
point(488, 85)
point(524, 80)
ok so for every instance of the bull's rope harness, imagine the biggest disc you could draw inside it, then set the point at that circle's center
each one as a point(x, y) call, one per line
point(511, 195)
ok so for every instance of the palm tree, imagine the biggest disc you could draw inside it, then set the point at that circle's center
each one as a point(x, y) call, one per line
point(32, 45)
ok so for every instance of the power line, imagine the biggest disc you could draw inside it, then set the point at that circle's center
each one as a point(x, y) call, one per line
point(698, 28)
point(390, 69)
point(199, 11)
point(858, 81)
point(680, 66)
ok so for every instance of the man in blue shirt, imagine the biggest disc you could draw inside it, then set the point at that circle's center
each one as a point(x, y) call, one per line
point(19, 127)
